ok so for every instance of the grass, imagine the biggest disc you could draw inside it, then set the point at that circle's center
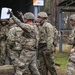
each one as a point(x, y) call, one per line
point(62, 59)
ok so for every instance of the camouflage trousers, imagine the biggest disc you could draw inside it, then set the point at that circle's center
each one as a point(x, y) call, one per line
point(47, 63)
point(26, 63)
point(13, 57)
point(71, 64)
point(2, 52)
point(70, 68)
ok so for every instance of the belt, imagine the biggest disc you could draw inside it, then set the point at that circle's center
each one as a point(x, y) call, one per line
point(29, 48)
point(42, 46)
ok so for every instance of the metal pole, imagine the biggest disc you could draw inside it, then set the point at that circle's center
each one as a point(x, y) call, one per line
point(60, 27)
point(35, 11)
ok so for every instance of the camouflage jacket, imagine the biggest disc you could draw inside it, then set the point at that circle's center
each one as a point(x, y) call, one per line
point(14, 38)
point(3, 31)
point(71, 39)
point(46, 33)
point(30, 34)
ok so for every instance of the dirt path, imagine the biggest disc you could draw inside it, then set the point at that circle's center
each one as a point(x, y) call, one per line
point(62, 74)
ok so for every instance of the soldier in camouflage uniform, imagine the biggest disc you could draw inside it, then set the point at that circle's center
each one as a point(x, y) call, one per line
point(71, 41)
point(13, 47)
point(46, 47)
point(4, 27)
point(26, 62)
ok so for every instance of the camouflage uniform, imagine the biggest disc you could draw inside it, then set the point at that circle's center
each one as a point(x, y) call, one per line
point(13, 37)
point(71, 41)
point(46, 47)
point(26, 63)
point(3, 42)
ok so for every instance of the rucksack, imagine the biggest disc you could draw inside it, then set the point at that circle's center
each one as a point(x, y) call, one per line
point(56, 37)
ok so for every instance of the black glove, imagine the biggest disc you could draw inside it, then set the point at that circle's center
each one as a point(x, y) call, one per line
point(10, 12)
point(20, 13)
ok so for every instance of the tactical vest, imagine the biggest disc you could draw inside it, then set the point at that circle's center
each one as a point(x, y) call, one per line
point(42, 34)
point(56, 37)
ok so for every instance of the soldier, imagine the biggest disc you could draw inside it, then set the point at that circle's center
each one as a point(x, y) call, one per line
point(26, 62)
point(4, 27)
point(46, 46)
point(14, 33)
point(71, 41)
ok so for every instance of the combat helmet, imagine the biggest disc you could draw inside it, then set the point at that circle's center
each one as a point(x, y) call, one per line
point(42, 15)
point(29, 15)
point(72, 17)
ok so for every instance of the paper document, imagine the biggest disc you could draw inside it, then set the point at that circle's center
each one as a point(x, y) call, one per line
point(4, 13)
